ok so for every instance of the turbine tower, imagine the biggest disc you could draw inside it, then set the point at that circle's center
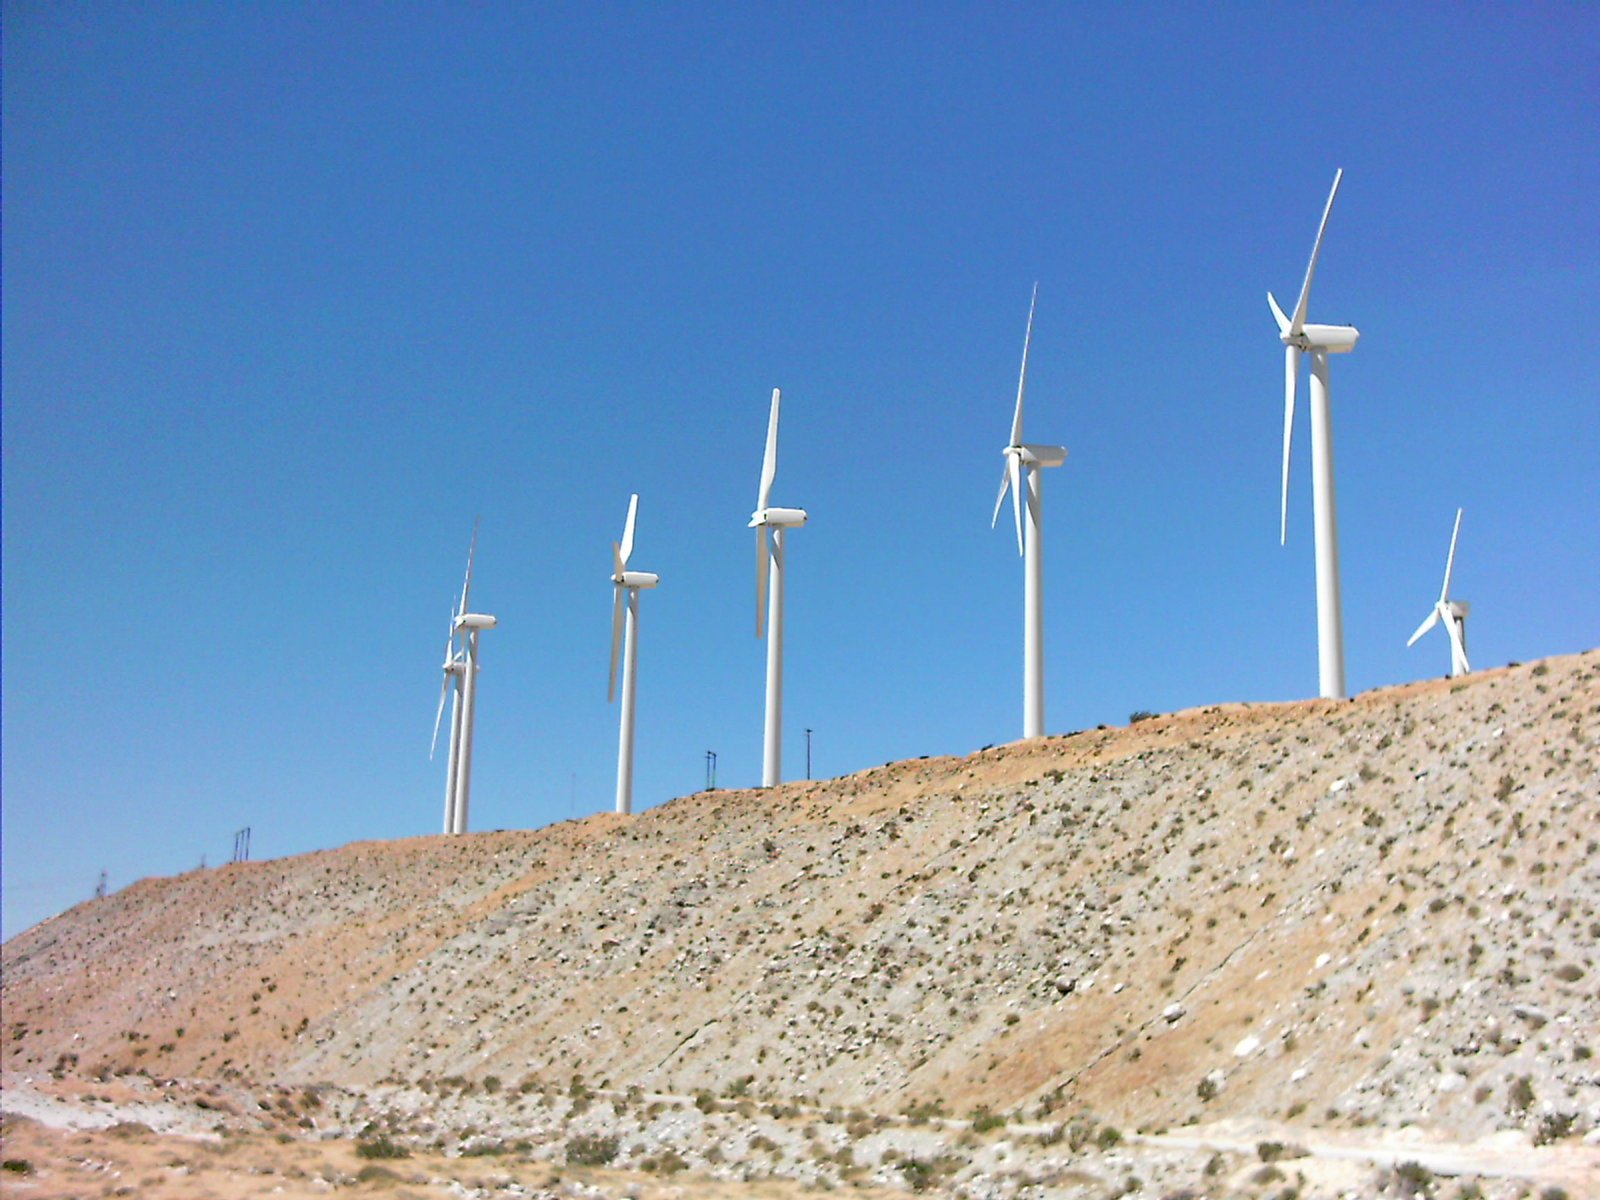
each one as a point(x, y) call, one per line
point(770, 524)
point(462, 667)
point(1021, 472)
point(1452, 612)
point(1319, 341)
point(632, 582)
point(454, 668)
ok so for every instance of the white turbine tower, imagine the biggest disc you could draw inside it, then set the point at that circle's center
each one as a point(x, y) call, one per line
point(462, 665)
point(632, 582)
point(1452, 612)
point(1023, 464)
point(454, 668)
point(1320, 341)
point(769, 524)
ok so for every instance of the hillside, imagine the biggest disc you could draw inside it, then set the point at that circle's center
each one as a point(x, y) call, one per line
point(1343, 915)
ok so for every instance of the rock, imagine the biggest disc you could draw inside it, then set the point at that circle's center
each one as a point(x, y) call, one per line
point(1064, 985)
point(1247, 1046)
point(1171, 1013)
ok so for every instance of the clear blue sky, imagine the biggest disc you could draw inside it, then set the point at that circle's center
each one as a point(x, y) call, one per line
point(293, 292)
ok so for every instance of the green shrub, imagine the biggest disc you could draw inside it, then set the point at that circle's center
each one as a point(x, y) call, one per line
point(381, 1147)
point(591, 1150)
point(17, 1166)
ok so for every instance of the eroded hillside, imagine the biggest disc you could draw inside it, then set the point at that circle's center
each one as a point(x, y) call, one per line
point(1382, 911)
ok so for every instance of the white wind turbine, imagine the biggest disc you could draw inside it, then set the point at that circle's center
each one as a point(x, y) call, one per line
point(632, 582)
point(462, 665)
point(1023, 464)
point(1320, 341)
point(1452, 612)
point(454, 667)
point(769, 524)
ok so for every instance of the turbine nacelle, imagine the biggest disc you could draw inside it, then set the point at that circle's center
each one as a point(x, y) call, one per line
point(636, 579)
point(474, 622)
point(778, 518)
point(1330, 339)
point(1037, 456)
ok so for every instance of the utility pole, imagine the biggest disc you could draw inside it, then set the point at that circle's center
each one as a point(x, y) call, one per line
point(100, 888)
point(711, 770)
point(808, 754)
point(241, 845)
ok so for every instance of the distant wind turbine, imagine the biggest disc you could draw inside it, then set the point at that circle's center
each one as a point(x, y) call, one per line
point(1021, 472)
point(454, 668)
point(770, 524)
point(462, 667)
point(1298, 338)
point(1452, 612)
point(631, 582)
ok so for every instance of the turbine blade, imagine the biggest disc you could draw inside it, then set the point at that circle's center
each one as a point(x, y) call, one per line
point(769, 462)
point(1311, 268)
point(761, 580)
point(616, 639)
point(444, 690)
point(1005, 482)
point(1450, 562)
point(1291, 373)
point(466, 584)
point(619, 563)
point(1427, 624)
point(1022, 378)
point(1016, 495)
point(1277, 313)
point(627, 530)
point(1457, 645)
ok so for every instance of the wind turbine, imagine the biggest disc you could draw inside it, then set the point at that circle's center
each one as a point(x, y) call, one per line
point(1452, 612)
point(770, 524)
point(463, 665)
point(1023, 464)
point(632, 582)
point(1298, 338)
point(454, 668)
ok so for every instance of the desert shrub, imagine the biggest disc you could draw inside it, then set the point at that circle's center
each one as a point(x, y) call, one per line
point(1520, 1097)
point(17, 1166)
point(381, 1147)
point(1413, 1179)
point(1207, 1088)
point(491, 1084)
point(983, 1120)
point(1139, 714)
point(1108, 1137)
point(591, 1150)
point(1553, 1127)
point(373, 1173)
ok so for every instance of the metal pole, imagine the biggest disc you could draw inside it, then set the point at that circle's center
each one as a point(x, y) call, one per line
point(808, 754)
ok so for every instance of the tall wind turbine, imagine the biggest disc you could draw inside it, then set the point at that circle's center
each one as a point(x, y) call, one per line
point(632, 582)
point(770, 524)
point(463, 665)
point(1023, 464)
point(1452, 612)
point(1299, 338)
point(454, 668)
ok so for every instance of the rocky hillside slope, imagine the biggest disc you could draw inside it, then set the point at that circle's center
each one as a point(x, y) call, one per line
point(1373, 912)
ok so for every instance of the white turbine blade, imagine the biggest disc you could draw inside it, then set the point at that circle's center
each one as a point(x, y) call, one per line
point(618, 563)
point(1022, 377)
point(761, 580)
point(1311, 268)
point(1427, 624)
point(626, 551)
point(1450, 562)
point(616, 639)
point(1005, 482)
point(1015, 467)
point(1277, 313)
point(466, 584)
point(769, 462)
point(1453, 628)
point(1291, 373)
point(444, 690)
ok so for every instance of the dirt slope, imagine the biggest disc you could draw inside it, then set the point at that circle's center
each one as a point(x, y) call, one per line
point(1376, 912)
